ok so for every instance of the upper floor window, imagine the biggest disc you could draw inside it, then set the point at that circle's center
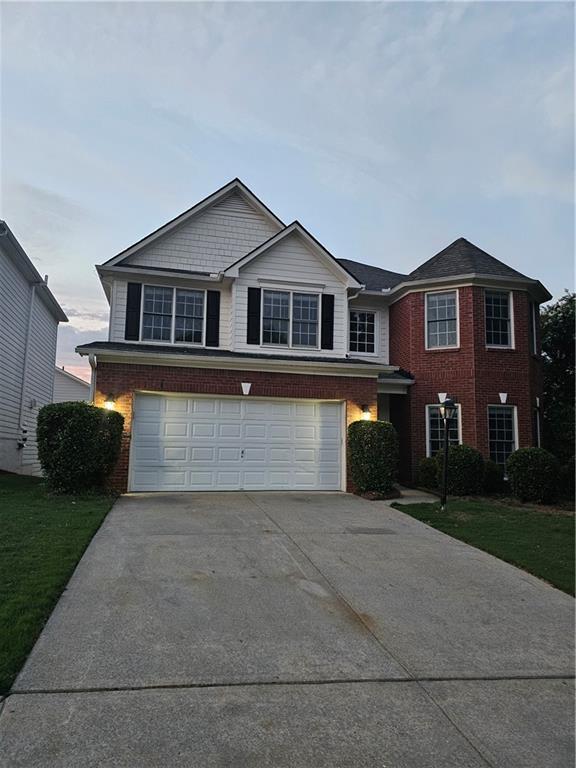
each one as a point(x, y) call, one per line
point(442, 319)
point(498, 318)
point(170, 314)
point(362, 332)
point(501, 432)
point(435, 430)
point(157, 313)
point(290, 319)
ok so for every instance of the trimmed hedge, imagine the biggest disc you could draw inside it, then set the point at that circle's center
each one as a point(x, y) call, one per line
point(533, 474)
point(465, 470)
point(427, 473)
point(567, 478)
point(493, 478)
point(78, 445)
point(373, 455)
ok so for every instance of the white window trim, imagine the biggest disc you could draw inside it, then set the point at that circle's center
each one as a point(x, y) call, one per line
point(512, 344)
point(436, 293)
point(427, 416)
point(376, 314)
point(173, 325)
point(534, 334)
point(291, 292)
point(514, 421)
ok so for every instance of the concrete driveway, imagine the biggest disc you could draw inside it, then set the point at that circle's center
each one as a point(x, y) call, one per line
point(278, 629)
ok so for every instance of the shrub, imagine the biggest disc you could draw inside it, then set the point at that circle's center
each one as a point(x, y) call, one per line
point(373, 455)
point(78, 445)
point(493, 477)
point(567, 479)
point(465, 470)
point(533, 474)
point(427, 473)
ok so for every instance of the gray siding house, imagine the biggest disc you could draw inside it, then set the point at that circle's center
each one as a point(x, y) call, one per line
point(29, 317)
point(68, 387)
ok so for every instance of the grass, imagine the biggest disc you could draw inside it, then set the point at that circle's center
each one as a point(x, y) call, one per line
point(541, 541)
point(42, 538)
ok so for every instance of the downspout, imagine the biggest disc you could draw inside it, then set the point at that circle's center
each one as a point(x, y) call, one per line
point(23, 430)
point(93, 362)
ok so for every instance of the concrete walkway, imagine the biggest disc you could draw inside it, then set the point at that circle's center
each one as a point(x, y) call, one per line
point(278, 629)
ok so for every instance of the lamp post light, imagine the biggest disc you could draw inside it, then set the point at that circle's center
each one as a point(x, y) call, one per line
point(447, 412)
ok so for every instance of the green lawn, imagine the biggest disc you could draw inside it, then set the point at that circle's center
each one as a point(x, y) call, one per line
point(42, 537)
point(540, 541)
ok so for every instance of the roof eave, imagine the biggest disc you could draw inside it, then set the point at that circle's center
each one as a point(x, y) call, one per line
point(534, 286)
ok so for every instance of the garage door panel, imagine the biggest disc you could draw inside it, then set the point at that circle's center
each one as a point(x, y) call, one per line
point(188, 443)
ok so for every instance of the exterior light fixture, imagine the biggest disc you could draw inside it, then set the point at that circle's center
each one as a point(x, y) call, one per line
point(448, 410)
point(365, 413)
point(110, 403)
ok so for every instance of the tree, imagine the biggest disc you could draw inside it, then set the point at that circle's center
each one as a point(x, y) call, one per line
point(557, 323)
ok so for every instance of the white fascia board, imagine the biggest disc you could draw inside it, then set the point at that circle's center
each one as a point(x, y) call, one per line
point(394, 387)
point(235, 185)
point(230, 363)
point(130, 273)
point(473, 278)
point(234, 269)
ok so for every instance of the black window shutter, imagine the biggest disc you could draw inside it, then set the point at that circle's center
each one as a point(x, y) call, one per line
point(212, 318)
point(133, 300)
point(327, 330)
point(253, 332)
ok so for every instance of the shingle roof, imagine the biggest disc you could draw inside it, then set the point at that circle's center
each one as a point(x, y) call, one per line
point(462, 258)
point(373, 278)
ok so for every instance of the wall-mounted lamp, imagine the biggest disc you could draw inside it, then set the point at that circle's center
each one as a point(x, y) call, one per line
point(365, 413)
point(110, 403)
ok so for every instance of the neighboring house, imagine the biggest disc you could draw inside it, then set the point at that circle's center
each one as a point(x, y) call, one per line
point(29, 317)
point(239, 349)
point(68, 387)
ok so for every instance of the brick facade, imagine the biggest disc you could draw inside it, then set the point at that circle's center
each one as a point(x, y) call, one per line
point(121, 381)
point(473, 374)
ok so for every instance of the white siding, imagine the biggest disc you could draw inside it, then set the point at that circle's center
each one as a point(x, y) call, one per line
point(291, 260)
point(16, 294)
point(39, 379)
point(374, 304)
point(118, 303)
point(15, 300)
point(67, 389)
point(211, 240)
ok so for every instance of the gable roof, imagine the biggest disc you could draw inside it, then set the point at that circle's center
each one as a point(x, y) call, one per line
point(463, 258)
point(294, 228)
point(233, 186)
point(77, 379)
point(18, 255)
point(374, 278)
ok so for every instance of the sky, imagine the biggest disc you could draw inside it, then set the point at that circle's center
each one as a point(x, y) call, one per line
point(387, 129)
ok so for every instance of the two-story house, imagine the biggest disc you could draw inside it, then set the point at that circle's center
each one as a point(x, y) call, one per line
point(29, 318)
point(239, 349)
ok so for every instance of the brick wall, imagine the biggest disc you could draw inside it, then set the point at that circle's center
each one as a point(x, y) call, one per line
point(121, 380)
point(472, 374)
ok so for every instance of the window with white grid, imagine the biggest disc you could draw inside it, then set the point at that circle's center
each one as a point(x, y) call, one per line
point(436, 430)
point(441, 319)
point(501, 432)
point(189, 320)
point(498, 319)
point(304, 320)
point(362, 331)
point(275, 317)
point(157, 314)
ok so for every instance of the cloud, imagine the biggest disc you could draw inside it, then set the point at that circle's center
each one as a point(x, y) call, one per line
point(69, 338)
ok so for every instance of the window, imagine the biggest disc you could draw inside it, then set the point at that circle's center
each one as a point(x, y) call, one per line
point(164, 308)
point(435, 428)
point(362, 332)
point(290, 319)
point(501, 432)
point(304, 320)
point(534, 327)
point(189, 322)
point(441, 319)
point(498, 319)
point(275, 317)
point(157, 314)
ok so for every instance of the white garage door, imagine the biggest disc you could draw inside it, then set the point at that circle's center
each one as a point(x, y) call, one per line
point(182, 443)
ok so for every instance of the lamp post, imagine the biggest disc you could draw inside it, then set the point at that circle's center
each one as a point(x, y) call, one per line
point(447, 412)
